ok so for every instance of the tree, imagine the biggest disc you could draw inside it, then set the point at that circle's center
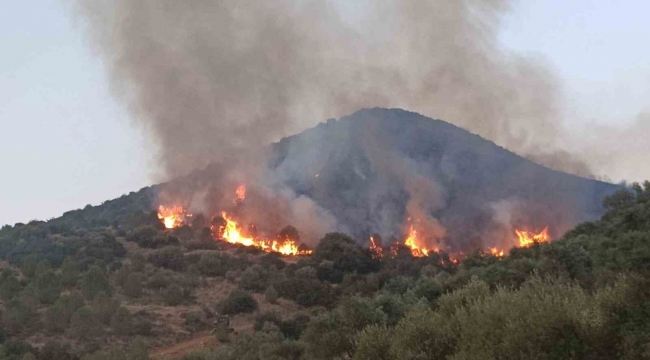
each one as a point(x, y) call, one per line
point(94, 282)
point(103, 307)
point(57, 318)
point(49, 287)
point(173, 295)
point(237, 302)
point(373, 343)
point(84, 325)
point(69, 272)
point(10, 287)
point(169, 258)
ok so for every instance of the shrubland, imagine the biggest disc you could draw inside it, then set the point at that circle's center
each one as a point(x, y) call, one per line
point(110, 282)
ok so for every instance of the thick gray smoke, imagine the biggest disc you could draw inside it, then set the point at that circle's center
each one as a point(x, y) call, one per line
point(211, 81)
point(208, 79)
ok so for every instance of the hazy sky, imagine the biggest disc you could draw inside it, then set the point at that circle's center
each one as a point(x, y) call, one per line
point(66, 142)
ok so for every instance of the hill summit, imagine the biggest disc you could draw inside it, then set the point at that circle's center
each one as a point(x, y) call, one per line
point(375, 169)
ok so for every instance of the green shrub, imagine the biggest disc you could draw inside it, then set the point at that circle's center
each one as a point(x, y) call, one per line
point(133, 285)
point(84, 326)
point(237, 302)
point(173, 295)
point(95, 282)
point(195, 321)
point(169, 258)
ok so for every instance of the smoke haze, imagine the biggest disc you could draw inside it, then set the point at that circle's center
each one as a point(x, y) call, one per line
point(207, 79)
point(213, 82)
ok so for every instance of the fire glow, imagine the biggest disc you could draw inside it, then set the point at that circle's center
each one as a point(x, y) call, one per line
point(413, 242)
point(376, 250)
point(173, 216)
point(528, 238)
point(496, 252)
point(232, 233)
point(240, 194)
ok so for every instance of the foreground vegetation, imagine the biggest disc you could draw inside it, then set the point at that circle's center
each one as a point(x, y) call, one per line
point(110, 283)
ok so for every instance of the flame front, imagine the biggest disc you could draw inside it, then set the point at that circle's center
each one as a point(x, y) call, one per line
point(412, 242)
point(232, 233)
point(173, 216)
point(496, 252)
point(527, 238)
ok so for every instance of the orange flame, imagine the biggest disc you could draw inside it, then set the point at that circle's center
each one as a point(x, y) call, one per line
point(417, 249)
point(173, 216)
point(376, 250)
point(240, 194)
point(496, 252)
point(232, 233)
point(527, 238)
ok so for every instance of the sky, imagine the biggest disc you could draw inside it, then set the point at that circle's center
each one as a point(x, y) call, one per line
point(65, 141)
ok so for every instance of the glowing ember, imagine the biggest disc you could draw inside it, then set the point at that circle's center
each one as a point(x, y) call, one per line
point(232, 233)
point(173, 216)
point(496, 252)
point(376, 250)
point(412, 242)
point(527, 238)
point(240, 194)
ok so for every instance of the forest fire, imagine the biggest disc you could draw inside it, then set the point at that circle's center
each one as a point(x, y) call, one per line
point(232, 233)
point(496, 252)
point(527, 238)
point(240, 194)
point(173, 216)
point(413, 243)
point(376, 250)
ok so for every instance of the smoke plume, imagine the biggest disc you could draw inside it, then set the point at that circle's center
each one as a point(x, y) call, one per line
point(209, 79)
point(213, 82)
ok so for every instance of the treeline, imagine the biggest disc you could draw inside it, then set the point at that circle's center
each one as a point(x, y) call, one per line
point(586, 296)
point(84, 287)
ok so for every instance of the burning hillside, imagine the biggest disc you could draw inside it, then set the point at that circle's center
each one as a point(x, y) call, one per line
point(227, 228)
point(392, 173)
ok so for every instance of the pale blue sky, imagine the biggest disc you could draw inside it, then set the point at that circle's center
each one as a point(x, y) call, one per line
point(66, 142)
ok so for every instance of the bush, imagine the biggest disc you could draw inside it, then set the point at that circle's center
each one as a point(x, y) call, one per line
point(122, 322)
point(169, 258)
point(133, 285)
point(18, 314)
point(174, 295)
point(94, 282)
point(84, 326)
point(14, 349)
point(57, 318)
point(218, 264)
point(103, 308)
point(373, 343)
point(237, 302)
point(254, 278)
point(195, 321)
point(55, 350)
point(271, 295)
point(306, 292)
point(10, 287)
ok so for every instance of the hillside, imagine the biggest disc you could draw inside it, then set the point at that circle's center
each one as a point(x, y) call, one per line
point(111, 282)
point(369, 162)
point(371, 169)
